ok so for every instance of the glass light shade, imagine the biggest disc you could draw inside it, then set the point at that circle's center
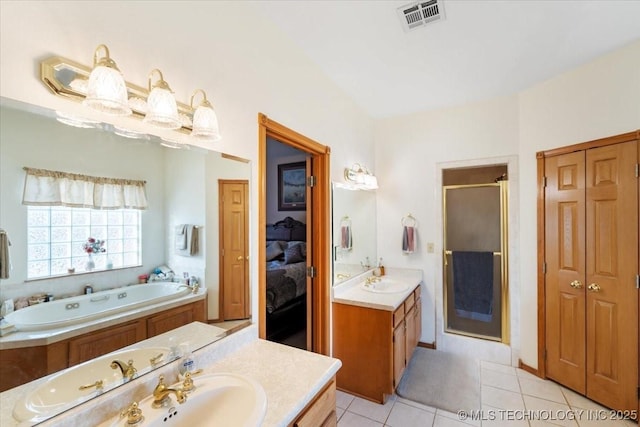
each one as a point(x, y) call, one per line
point(107, 91)
point(162, 110)
point(75, 121)
point(205, 124)
point(371, 182)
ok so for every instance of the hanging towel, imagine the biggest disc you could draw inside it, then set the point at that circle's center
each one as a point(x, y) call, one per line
point(181, 237)
point(346, 239)
point(192, 244)
point(5, 265)
point(473, 285)
point(409, 235)
point(194, 240)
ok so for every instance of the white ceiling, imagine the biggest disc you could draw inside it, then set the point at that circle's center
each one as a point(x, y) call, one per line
point(482, 49)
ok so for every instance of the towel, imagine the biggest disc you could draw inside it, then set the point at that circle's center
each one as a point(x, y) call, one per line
point(5, 265)
point(194, 239)
point(191, 240)
point(473, 285)
point(181, 237)
point(346, 239)
point(409, 239)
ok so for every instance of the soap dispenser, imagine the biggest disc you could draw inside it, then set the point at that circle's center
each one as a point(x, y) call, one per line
point(381, 267)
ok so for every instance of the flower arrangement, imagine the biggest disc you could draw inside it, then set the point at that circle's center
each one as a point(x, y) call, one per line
point(93, 246)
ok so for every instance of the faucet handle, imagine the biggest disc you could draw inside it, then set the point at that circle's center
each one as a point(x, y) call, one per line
point(133, 414)
point(187, 384)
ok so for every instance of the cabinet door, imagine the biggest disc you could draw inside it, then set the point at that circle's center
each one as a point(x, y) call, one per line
point(399, 360)
point(169, 320)
point(612, 265)
point(411, 342)
point(418, 321)
point(565, 257)
point(94, 344)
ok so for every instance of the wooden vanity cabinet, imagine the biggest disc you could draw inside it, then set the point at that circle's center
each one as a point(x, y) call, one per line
point(375, 346)
point(321, 411)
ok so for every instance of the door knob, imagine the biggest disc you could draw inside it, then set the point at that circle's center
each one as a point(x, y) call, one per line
point(576, 284)
point(240, 258)
point(594, 287)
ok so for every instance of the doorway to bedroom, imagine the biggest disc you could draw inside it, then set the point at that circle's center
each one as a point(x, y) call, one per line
point(293, 263)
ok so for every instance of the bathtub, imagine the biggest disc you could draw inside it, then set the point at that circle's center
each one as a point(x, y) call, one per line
point(83, 308)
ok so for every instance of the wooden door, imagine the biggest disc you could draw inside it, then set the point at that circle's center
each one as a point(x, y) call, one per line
point(612, 265)
point(234, 250)
point(311, 289)
point(565, 258)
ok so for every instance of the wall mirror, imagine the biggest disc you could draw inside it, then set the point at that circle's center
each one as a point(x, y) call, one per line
point(353, 232)
point(181, 185)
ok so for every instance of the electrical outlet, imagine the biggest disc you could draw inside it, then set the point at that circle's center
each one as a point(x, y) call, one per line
point(430, 247)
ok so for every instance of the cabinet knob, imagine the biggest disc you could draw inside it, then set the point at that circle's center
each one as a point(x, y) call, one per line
point(594, 287)
point(576, 284)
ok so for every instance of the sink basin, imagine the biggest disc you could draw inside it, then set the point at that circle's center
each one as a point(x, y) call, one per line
point(61, 391)
point(385, 286)
point(218, 400)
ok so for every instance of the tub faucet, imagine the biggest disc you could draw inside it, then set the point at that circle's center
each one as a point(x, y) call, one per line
point(127, 369)
point(161, 394)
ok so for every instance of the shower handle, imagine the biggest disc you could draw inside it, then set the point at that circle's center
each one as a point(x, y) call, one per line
point(576, 284)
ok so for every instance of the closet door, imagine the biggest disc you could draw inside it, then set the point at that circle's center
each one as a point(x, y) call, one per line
point(612, 265)
point(565, 257)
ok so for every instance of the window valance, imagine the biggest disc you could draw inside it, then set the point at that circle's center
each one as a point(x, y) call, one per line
point(53, 188)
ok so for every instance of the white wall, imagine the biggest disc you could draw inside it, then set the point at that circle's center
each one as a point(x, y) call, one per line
point(410, 153)
point(216, 168)
point(599, 99)
point(31, 140)
point(244, 64)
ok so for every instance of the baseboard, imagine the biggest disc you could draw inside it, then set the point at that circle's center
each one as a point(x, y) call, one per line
point(431, 345)
point(217, 320)
point(527, 368)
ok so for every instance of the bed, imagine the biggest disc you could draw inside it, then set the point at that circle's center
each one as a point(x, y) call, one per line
point(286, 277)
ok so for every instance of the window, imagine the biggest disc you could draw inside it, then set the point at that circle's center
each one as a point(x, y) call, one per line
point(56, 235)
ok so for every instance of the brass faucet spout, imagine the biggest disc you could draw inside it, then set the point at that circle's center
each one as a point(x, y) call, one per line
point(127, 369)
point(161, 394)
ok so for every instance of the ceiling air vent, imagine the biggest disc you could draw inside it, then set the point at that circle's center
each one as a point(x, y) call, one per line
point(418, 14)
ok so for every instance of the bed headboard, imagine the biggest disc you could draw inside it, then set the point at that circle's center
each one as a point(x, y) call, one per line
point(288, 229)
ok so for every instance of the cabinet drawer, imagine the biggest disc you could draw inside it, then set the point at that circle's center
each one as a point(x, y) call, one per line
point(398, 315)
point(408, 303)
point(321, 408)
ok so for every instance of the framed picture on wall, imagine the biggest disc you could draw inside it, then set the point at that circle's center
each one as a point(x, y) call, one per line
point(292, 188)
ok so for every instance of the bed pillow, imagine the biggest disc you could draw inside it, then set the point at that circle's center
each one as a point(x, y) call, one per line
point(293, 254)
point(274, 250)
point(303, 246)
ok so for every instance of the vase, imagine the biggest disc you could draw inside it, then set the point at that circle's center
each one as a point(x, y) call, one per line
point(90, 264)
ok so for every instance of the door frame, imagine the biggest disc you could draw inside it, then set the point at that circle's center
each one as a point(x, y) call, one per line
point(221, 228)
point(540, 160)
point(320, 227)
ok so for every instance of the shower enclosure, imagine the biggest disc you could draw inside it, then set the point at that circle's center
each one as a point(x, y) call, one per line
point(475, 260)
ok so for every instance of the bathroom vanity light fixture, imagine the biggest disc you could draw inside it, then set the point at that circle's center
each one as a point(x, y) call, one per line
point(106, 90)
point(103, 88)
point(162, 110)
point(205, 121)
point(360, 178)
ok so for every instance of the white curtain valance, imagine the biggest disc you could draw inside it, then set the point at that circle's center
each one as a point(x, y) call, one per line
point(52, 188)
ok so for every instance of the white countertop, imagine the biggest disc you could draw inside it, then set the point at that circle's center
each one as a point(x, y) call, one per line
point(350, 292)
point(289, 376)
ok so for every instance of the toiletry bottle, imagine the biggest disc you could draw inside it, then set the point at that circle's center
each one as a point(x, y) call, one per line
point(88, 289)
point(187, 364)
point(381, 267)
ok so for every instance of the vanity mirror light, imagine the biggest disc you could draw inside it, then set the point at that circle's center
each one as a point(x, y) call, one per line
point(31, 136)
point(354, 232)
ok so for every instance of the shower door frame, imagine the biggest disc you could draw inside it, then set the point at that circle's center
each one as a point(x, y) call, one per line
point(504, 262)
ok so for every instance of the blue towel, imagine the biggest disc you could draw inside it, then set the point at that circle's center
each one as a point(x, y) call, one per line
point(473, 285)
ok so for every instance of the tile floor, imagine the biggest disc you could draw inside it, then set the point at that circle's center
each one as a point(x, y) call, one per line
point(502, 388)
